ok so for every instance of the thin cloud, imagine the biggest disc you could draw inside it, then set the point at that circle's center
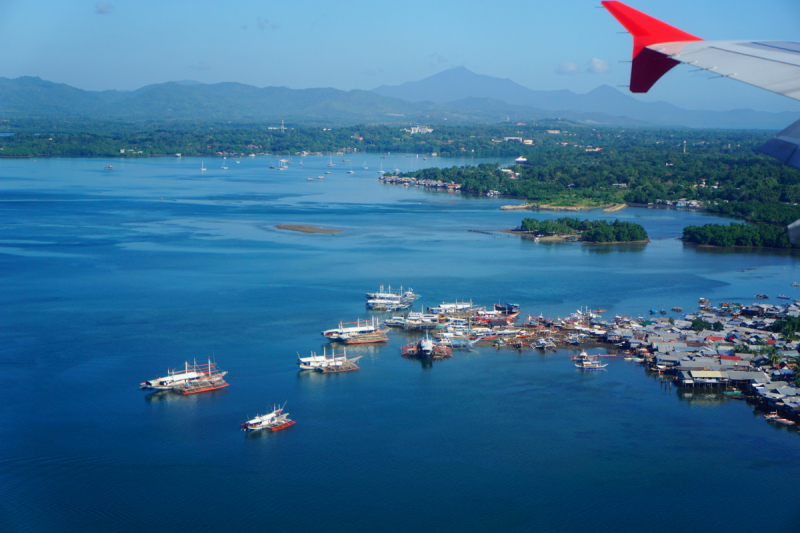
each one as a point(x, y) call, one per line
point(598, 66)
point(101, 8)
point(437, 59)
point(567, 68)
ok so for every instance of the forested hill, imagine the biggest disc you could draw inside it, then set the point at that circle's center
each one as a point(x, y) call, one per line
point(460, 97)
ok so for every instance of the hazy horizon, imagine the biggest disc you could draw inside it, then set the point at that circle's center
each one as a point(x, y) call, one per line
point(348, 45)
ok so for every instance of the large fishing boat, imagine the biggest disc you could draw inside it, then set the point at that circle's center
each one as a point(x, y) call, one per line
point(385, 304)
point(376, 337)
point(315, 361)
point(445, 308)
point(390, 300)
point(275, 421)
point(344, 364)
point(192, 379)
point(347, 328)
point(391, 294)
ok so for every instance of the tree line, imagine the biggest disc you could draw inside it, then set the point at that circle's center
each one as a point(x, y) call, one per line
point(764, 235)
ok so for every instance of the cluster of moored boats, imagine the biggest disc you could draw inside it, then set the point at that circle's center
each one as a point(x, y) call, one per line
point(449, 326)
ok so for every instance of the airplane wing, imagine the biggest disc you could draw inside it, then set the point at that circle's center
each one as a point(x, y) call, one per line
point(770, 65)
point(657, 47)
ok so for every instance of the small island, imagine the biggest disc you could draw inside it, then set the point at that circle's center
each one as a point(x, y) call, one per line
point(753, 235)
point(591, 231)
point(302, 228)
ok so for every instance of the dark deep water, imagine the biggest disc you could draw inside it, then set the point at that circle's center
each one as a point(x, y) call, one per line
point(111, 277)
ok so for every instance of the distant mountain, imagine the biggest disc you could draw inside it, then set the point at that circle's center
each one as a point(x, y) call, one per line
point(30, 97)
point(37, 98)
point(455, 96)
point(458, 84)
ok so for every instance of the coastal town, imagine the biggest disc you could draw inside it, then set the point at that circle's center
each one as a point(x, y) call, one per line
point(730, 349)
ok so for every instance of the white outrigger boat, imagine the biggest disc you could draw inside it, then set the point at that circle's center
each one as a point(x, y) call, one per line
point(389, 294)
point(588, 362)
point(454, 307)
point(361, 327)
point(390, 300)
point(191, 380)
point(275, 421)
point(326, 360)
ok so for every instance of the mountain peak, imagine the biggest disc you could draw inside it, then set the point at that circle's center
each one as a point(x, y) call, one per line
point(457, 83)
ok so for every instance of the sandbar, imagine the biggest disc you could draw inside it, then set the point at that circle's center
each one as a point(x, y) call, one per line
point(302, 228)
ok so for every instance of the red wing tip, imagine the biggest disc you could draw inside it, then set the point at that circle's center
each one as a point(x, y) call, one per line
point(646, 30)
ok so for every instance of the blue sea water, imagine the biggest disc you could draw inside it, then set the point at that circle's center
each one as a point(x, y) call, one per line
point(109, 277)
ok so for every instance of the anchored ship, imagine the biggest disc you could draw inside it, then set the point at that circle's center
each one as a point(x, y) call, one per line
point(347, 328)
point(426, 348)
point(192, 379)
point(275, 421)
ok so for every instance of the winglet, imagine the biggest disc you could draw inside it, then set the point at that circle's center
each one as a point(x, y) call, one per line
point(648, 65)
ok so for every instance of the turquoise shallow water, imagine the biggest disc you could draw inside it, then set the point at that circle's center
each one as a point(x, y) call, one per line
point(110, 277)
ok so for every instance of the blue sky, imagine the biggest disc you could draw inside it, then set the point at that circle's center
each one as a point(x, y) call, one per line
point(359, 44)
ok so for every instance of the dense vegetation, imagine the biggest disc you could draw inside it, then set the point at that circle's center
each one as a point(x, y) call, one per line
point(721, 169)
point(560, 226)
point(598, 231)
point(771, 212)
point(108, 138)
point(617, 231)
point(737, 235)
